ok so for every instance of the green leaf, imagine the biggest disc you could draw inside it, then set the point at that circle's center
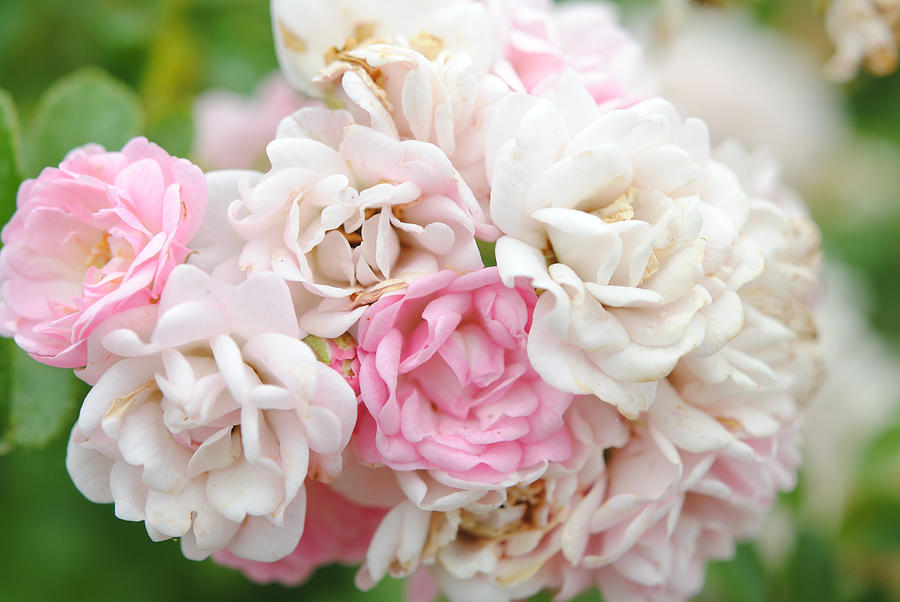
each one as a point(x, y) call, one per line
point(42, 400)
point(10, 156)
point(488, 255)
point(87, 106)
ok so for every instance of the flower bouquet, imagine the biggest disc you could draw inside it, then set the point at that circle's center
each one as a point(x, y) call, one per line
point(496, 317)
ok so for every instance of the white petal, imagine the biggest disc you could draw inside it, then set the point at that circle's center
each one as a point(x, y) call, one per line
point(242, 489)
point(285, 360)
point(218, 451)
point(89, 470)
point(171, 514)
point(586, 180)
point(294, 450)
point(260, 540)
point(128, 491)
point(145, 441)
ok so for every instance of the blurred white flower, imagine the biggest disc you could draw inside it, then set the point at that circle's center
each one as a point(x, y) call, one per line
point(752, 84)
point(544, 39)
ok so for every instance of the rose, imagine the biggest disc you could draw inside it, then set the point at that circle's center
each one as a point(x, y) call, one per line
point(446, 380)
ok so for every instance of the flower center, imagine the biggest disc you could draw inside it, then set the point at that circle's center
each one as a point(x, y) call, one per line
point(620, 210)
point(355, 237)
point(362, 34)
point(429, 45)
point(100, 254)
point(525, 509)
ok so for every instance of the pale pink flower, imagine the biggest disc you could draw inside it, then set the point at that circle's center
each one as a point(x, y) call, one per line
point(231, 130)
point(631, 229)
point(669, 450)
point(448, 387)
point(348, 213)
point(689, 483)
point(727, 503)
point(336, 530)
point(774, 362)
point(544, 39)
point(96, 236)
point(207, 427)
point(668, 564)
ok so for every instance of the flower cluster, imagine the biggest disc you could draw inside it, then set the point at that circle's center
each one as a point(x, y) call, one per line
point(494, 318)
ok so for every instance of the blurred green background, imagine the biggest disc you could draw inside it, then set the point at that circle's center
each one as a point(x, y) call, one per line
point(136, 67)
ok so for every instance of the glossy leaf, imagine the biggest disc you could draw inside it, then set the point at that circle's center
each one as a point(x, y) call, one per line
point(42, 400)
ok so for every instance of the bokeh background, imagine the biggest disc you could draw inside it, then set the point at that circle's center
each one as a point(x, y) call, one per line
point(138, 66)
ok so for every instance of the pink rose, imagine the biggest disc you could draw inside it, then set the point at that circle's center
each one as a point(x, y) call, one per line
point(545, 39)
point(232, 130)
point(446, 380)
point(337, 530)
point(96, 236)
